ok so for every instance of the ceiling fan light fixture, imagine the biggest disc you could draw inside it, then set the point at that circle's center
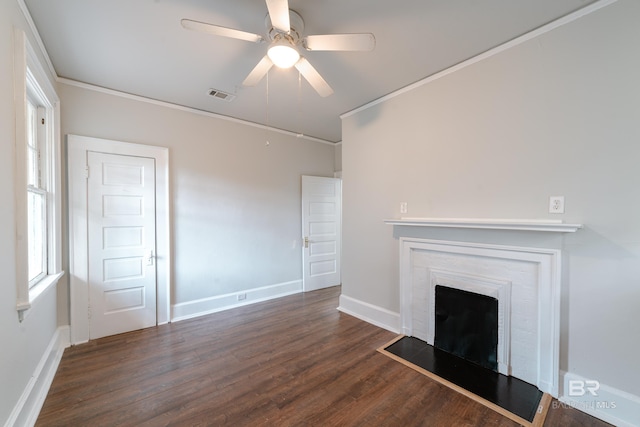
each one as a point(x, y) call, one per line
point(283, 55)
point(285, 32)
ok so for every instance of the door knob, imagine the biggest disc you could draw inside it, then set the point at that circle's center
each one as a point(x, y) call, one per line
point(150, 258)
point(306, 241)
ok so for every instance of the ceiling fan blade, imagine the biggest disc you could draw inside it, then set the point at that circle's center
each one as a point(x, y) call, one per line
point(258, 72)
point(345, 42)
point(216, 30)
point(313, 77)
point(279, 14)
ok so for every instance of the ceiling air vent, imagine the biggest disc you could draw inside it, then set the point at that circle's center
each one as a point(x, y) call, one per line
point(218, 94)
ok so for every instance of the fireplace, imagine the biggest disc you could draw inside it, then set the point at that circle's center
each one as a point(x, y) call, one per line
point(518, 288)
point(495, 288)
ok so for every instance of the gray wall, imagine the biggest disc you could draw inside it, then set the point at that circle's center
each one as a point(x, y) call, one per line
point(235, 204)
point(557, 115)
point(23, 344)
point(235, 201)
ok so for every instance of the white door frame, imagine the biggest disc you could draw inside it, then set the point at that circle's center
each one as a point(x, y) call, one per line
point(77, 152)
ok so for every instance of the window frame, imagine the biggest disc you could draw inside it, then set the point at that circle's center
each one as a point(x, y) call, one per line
point(32, 84)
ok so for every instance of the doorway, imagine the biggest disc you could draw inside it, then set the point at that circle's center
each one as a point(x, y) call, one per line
point(321, 231)
point(118, 237)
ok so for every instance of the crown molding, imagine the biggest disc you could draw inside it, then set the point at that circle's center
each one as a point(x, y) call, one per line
point(34, 30)
point(165, 104)
point(488, 54)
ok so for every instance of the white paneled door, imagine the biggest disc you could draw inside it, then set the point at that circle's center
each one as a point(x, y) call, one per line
point(121, 243)
point(321, 231)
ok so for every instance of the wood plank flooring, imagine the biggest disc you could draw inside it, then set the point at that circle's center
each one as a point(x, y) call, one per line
point(294, 361)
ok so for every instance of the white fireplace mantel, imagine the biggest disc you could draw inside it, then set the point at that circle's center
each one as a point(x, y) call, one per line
point(486, 223)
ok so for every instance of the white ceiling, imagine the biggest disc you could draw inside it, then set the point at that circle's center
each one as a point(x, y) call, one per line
point(139, 47)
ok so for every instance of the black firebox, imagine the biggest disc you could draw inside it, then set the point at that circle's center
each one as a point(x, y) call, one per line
point(466, 325)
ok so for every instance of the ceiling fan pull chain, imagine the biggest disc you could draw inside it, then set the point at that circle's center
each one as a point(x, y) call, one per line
point(299, 100)
point(267, 111)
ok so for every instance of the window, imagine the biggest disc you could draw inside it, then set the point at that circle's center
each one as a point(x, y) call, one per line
point(36, 193)
point(37, 178)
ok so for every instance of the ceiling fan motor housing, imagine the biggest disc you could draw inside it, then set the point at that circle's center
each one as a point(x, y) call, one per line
point(295, 34)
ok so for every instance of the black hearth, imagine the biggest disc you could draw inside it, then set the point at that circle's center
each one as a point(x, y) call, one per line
point(514, 395)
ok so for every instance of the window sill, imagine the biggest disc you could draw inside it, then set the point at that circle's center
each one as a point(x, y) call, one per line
point(36, 291)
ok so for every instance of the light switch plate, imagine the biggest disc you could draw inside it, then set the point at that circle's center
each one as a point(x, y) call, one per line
point(403, 207)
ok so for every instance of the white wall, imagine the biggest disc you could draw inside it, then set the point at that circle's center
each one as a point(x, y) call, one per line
point(557, 115)
point(235, 201)
point(23, 344)
point(236, 212)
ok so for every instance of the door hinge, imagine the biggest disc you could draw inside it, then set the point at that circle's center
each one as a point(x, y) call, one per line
point(86, 172)
point(89, 312)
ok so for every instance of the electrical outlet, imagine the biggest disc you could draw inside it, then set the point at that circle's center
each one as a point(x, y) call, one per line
point(404, 207)
point(556, 204)
point(242, 297)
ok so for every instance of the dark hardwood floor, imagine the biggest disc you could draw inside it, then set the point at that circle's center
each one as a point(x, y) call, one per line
point(294, 361)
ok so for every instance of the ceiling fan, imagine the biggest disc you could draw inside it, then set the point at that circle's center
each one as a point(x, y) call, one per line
point(285, 36)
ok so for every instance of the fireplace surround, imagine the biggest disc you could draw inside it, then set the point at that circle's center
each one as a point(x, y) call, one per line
point(525, 281)
point(494, 287)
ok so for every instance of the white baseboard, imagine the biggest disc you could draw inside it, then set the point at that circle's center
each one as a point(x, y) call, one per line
point(608, 404)
point(26, 411)
point(370, 313)
point(196, 308)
